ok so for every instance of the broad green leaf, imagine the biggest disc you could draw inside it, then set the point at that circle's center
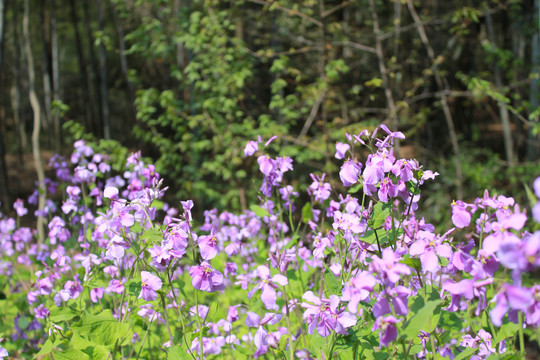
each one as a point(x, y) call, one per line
point(102, 328)
point(381, 211)
point(506, 330)
point(422, 310)
point(333, 285)
point(371, 238)
point(466, 353)
point(71, 354)
point(134, 287)
point(95, 351)
point(49, 346)
point(317, 345)
point(259, 211)
point(356, 188)
point(177, 353)
point(153, 235)
point(307, 213)
point(62, 314)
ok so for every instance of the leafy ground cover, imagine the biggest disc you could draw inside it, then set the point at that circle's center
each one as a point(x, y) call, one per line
point(121, 274)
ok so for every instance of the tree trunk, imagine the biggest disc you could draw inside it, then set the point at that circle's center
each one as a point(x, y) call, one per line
point(87, 108)
point(16, 89)
point(3, 168)
point(55, 79)
point(384, 74)
point(37, 121)
point(103, 76)
point(532, 139)
point(94, 73)
point(123, 63)
point(503, 109)
point(442, 85)
point(47, 88)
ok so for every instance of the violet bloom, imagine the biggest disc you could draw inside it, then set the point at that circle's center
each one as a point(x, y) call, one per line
point(319, 189)
point(205, 278)
point(389, 268)
point(502, 231)
point(461, 217)
point(536, 208)
point(341, 149)
point(268, 286)
point(428, 247)
point(323, 314)
point(251, 148)
point(350, 172)
point(208, 246)
point(19, 207)
point(150, 284)
point(510, 298)
point(387, 329)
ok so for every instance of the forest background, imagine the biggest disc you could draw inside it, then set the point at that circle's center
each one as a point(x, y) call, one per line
point(190, 82)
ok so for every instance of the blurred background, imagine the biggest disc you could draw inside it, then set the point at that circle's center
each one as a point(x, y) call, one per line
point(190, 82)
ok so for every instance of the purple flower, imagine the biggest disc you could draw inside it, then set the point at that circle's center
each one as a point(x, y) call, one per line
point(150, 284)
point(19, 207)
point(96, 294)
point(387, 329)
point(208, 246)
point(511, 297)
point(251, 148)
point(205, 278)
point(341, 149)
point(319, 189)
point(349, 172)
point(267, 286)
point(389, 268)
point(460, 216)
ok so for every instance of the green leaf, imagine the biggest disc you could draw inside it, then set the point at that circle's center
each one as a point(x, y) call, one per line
point(356, 188)
point(49, 346)
point(177, 353)
point(62, 314)
point(317, 345)
point(259, 211)
point(422, 310)
point(307, 213)
point(102, 329)
point(381, 211)
point(71, 354)
point(507, 330)
point(371, 238)
point(153, 235)
point(134, 287)
point(333, 285)
point(95, 351)
point(465, 354)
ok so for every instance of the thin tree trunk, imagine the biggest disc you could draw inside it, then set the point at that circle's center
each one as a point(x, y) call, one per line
point(123, 62)
point(94, 73)
point(532, 139)
point(88, 109)
point(47, 86)
point(103, 76)
point(444, 98)
point(503, 109)
point(55, 79)
point(3, 167)
point(37, 121)
point(16, 89)
point(384, 74)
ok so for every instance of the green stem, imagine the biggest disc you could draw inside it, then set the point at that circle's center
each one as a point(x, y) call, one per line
point(521, 338)
point(166, 317)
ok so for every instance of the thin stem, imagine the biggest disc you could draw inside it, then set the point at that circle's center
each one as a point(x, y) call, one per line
point(166, 317)
point(521, 338)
